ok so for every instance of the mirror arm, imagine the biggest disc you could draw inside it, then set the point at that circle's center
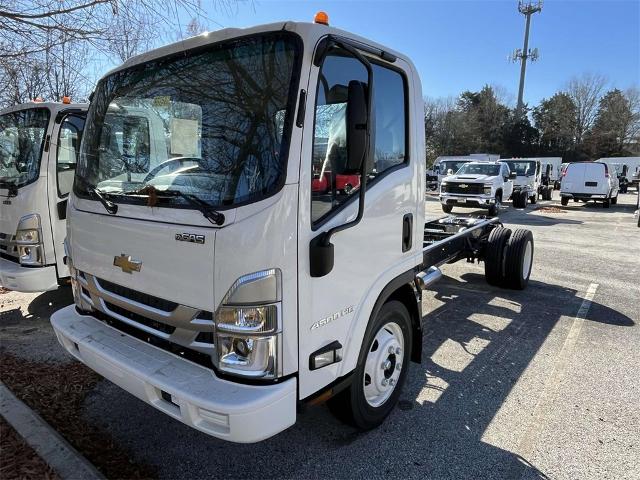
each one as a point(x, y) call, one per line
point(326, 236)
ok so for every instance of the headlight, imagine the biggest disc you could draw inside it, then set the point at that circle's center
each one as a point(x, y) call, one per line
point(248, 326)
point(29, 241)
point(487, 189)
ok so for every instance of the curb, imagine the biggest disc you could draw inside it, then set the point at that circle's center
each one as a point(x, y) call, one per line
point(47, 443)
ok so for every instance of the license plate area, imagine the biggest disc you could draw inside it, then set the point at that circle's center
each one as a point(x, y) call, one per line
point(590, 184)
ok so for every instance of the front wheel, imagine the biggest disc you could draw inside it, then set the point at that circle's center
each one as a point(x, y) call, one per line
point(447, 208)
point(564, 201)
point(495, 208)
point(614, 200)
point(381, 370)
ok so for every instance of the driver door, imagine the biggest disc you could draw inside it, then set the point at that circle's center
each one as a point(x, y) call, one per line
point(334, 306)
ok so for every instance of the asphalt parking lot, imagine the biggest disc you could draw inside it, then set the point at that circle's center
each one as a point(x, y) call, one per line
point(541, 383)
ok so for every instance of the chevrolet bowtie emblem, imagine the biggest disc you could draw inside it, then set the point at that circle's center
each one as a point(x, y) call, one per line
point(126, 264)
point(463, 185)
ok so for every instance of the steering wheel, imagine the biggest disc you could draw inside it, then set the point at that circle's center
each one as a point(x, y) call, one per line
point(167, 163)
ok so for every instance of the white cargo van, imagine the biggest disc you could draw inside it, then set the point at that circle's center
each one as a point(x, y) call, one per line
point(221, 285)
point(39, 144)
point(589, 181)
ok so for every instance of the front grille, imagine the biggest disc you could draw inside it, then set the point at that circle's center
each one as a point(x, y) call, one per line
point(179, 329)
point(139, 297)
point(8, 247)
point(161, 327)
point(468, 189)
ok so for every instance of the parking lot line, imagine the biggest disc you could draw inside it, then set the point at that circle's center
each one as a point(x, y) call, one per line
point(545, 401)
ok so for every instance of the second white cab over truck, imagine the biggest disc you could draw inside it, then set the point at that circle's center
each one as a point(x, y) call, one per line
point(39, 145)
point(218, 284)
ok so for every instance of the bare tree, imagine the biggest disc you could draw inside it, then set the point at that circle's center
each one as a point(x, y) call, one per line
point(585, 91)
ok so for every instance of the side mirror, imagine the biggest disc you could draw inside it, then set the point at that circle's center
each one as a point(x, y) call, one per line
point(356, 127)
point(512, 175)
point(450, 171)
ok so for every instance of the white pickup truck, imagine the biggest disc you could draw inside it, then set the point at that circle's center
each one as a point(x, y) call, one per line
point(39, 144)
point(220, 284)
point(477, 185)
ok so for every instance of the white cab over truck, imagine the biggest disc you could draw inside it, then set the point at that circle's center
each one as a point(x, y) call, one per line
point(39, 144)
point(219, 285)
point(477, 185)
point(589, 181)
point(528, 181)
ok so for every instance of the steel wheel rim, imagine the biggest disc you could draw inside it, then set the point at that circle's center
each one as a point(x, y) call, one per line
point(383, 364)
point(528, 257)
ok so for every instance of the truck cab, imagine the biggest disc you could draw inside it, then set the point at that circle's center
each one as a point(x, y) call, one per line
point(527, 182)
point(213, 277)
point(39, 144)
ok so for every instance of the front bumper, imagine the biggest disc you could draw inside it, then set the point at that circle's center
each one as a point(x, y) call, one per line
point(183, 390)
point(481, 201)
point(27, 279)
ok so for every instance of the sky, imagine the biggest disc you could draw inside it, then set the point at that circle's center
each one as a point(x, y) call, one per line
point(462, 45)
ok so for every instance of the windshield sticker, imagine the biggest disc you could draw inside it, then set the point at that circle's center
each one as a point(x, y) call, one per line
point(184, 137)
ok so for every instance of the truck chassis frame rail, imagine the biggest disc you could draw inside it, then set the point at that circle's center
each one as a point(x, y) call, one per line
point(508, 256)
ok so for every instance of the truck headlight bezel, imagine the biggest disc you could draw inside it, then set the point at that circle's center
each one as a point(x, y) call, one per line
point(487, 188)
point(29, 241)
point(248, 327)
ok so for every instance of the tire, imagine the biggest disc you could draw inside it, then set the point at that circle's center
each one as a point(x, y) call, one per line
point(366, 405)
point(447, 208)
point(564, 201)
point(614, 200)
point(494, 255)
point(515, 199)
point(518, 259)
point(495, 208)
point(548, 193)
point(533, 199)
point(606, 203)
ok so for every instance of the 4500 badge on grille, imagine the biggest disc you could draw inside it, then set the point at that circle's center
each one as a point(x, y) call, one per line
point(189, 237)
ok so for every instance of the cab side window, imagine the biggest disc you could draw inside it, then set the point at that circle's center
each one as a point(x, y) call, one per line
point(330, 186)
point(67, 152)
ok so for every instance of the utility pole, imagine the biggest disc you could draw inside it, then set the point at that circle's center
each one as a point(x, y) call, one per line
point(527, 8)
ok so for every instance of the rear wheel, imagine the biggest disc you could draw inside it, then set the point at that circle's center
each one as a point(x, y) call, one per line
point(533, 199)
point(494, 255)
point(447, 208)
point(518, 259)
point(606, 203)
point(614, 200)
point(381, 370)
point(548, 192)
point(564, 201)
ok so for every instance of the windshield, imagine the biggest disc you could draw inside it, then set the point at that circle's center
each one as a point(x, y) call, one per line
point(22, 135)
point(213, 123)
point(522, 169)
point(451, 165)
point(479, 169)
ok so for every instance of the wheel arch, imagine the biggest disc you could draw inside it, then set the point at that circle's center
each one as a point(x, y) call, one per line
point(403, 289)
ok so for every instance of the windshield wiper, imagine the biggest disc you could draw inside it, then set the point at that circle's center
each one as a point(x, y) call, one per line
point(11, 187)
point(108, 205)
point(206, 209)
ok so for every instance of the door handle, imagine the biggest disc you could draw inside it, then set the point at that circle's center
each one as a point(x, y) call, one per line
point(407, 232)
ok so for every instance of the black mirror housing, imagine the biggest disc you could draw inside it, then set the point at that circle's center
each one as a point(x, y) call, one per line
point(513, 175)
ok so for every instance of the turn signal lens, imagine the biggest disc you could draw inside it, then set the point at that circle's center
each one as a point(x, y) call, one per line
point(66, 100)
point(321, 18)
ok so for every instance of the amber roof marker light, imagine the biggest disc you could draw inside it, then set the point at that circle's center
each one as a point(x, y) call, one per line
point(321, 18)
point(66, 100)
